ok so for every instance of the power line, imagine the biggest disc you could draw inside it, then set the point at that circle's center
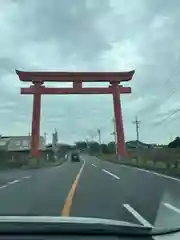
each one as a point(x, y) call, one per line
point(174, 90)
point(170, 76)
point(168, 117)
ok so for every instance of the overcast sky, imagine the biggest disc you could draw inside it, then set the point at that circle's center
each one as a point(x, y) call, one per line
point(92, 35)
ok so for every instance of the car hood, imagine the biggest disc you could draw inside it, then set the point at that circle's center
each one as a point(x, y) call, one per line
point(68, 224)
point(77, 225)
point(54, 219)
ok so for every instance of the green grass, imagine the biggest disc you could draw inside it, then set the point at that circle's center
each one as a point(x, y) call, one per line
point(34, 163)
point(157, 166)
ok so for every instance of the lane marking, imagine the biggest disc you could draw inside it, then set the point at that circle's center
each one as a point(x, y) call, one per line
point(142, 220)
point(94, 165)
point(175, 209)
point(28, 176)
point(67, 206)
point(113, 175)
point(15, 181)
point(158, 174)
point(3, 186)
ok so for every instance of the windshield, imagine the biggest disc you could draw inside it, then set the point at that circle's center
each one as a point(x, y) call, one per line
point(89, 106)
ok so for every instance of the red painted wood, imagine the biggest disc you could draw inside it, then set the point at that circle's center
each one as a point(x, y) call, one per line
point(77, 85)
point(121, 148)
point(44, 90)
point(75, 76)
point(35, 135)
point(114, 78)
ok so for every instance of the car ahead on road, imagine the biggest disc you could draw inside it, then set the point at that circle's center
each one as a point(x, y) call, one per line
point(75, 157)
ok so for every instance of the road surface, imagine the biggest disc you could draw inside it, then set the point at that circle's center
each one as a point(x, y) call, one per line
point(92, 188)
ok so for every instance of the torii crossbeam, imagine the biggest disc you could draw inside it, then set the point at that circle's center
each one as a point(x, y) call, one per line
point(77, 78)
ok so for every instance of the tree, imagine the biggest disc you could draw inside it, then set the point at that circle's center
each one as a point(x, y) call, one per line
point(81, 145)
point(112, 147)
point(94, 146)
point(175, 143)
point(104, 148)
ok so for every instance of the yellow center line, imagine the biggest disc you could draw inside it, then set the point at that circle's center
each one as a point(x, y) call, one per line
point(67, 206)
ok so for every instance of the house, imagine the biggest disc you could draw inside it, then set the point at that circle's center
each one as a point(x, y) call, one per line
point(19, 143)
point(134, 144)
point(17, 147)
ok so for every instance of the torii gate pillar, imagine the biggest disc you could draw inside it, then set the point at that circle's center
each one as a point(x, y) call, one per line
point(35, 131)
point(37, 89)
point(121, 148)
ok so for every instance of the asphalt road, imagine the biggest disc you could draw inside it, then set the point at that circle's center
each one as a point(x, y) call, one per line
point(92, 188)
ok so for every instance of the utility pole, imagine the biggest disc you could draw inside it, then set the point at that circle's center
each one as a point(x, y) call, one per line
point(99, 136)
point(45, 137)
point(115, 134)
point(137, 122)
point(56, 136)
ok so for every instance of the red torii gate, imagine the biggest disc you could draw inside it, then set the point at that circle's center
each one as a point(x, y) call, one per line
point(38, 88)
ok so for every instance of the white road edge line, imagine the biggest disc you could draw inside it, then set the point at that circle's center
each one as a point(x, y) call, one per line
point(3, 186)
point(113, 175)
point(175, 209)
point(15, 181)
point(137, 216)
point(94, 165)
point(158, 174)
point(27, 176)
point(81, 168)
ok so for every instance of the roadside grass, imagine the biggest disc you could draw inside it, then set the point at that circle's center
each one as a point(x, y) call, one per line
point(23, 160)
point(35, 163)
point(166, 164)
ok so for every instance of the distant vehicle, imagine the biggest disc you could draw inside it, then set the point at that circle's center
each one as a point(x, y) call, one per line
point(75, 157)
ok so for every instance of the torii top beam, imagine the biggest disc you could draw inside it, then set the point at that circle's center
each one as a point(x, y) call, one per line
point(74, 76)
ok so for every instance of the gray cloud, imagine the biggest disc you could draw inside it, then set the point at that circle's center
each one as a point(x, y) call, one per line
point(92, 35)
point(70, 23)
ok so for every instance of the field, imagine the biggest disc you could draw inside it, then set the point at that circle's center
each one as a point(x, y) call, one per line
point(163, 160)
